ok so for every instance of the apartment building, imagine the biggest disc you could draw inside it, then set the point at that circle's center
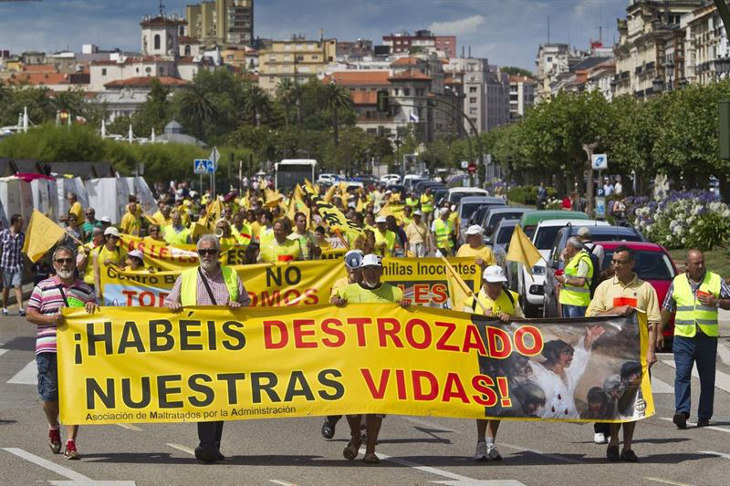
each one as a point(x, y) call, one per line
point(221, 22)
point(297, 59)
point(521, 96)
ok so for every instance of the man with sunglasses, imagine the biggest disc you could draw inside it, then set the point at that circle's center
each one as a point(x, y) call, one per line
point(62, 290)
point(208, 284)
point(621, 295)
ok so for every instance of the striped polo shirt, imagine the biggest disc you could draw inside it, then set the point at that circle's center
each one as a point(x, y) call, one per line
point(47, 299)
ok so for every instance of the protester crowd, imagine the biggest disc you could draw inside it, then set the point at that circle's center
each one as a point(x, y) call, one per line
point(282, 227)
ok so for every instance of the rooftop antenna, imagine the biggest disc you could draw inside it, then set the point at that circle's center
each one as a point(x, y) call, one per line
point(162, 9)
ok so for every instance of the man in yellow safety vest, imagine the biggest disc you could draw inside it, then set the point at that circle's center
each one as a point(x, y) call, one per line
point(694, 298)
point(575, 294)
point(442, 231)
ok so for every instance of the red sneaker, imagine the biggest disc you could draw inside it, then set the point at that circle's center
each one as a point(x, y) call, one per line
point(54, 440)
point(71, 452)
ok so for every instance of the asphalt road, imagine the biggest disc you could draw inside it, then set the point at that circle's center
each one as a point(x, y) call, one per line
point(416, 450)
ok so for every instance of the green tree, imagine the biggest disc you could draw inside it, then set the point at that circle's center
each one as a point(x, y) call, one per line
point(256, 104)
point(337, 99)
point(196, 108)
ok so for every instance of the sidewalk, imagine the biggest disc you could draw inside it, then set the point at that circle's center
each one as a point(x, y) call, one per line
point(26, 289)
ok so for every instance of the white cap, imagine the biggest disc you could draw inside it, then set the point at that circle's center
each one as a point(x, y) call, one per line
point(583, 231)
point(494, 274)
point(444, 211)
point(353, 259)
point(453, 207)
point(474, 229)
point(136, 254)
point(105, 219)
point(417, 212)
point(371, 260)
point(111, 230)
point(380, 219)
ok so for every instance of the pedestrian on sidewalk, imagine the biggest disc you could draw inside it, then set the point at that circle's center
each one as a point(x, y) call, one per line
point(11, 261)
point(694, 298)
point(44, 306)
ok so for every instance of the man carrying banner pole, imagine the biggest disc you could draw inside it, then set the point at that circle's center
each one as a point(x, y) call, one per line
point(621, 295)
point(208, 284)
point(493, 300)
point(369, 291)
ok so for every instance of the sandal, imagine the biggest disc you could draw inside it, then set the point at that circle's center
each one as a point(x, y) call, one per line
point(371, 458)
point(353, 448)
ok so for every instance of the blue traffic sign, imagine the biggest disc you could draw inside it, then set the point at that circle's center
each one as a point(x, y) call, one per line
point(203, 166)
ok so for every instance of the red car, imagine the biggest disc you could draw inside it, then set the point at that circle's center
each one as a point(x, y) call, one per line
point(654, 265)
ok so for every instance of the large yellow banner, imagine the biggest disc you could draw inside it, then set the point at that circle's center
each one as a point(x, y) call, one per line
point(423, 280)
point(150, 365)
point(160, 256)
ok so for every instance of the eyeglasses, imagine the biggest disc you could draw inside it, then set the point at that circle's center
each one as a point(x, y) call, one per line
point(207, 251)
point(619, 262)
point(64, 260)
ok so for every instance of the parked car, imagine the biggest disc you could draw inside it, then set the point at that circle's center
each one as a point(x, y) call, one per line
point(598, 233)
point(494, 214)
point(469, 204)
point(530, 287)
point(455, 194)
point(529, 220)
point(328, 179)
point(499, 240)
point(390, 179)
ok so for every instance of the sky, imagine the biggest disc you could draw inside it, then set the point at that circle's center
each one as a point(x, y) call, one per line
point(507, 32)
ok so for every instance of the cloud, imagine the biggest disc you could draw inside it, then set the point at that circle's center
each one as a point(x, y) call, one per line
point(468, 25)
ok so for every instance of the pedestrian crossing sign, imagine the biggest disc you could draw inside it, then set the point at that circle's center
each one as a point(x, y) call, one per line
point(203, 166)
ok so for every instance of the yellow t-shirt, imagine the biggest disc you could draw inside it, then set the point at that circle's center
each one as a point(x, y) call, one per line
point(339, 284)
point(130, 224)
point(116, 256)
point(357, 294)
point(273, 251)
point(637, 293)
point(482, 251)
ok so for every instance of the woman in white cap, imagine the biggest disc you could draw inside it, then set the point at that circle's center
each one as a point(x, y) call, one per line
point(110, 253)
point(493, 300)
point(134, 261)
point(475, 247)
point(384, 238)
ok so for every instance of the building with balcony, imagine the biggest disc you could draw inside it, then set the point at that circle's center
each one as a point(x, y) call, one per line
point(521, 96)
point(221, 23)
point(297, 59)
point(485, 92)
point(422, 42)
point(706, 51)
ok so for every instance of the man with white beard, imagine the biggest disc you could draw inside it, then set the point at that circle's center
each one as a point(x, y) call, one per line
point(208, 284)
point(62, 290)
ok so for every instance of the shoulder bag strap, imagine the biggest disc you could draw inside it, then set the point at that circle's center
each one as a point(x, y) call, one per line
point(63, 294)
point(207, 286)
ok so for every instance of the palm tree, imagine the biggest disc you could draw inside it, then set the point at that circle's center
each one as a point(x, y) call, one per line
point(288, 93)
point(257, 103)
point(197, 106)
point(336, 98)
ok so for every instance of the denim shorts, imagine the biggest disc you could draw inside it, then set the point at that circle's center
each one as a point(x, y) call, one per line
point(12, 279)
point(47, 376)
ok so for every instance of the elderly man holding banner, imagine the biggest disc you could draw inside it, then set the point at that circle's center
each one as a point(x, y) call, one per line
point(208, 284)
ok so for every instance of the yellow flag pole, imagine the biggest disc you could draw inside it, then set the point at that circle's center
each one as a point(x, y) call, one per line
point(342, 239)
point(469, 292)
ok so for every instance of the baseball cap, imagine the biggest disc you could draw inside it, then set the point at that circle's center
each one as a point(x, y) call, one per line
point(474, 229)
point(417, 212)
point(136, 254)
point(105, 219)
point(353, 259)
point(444, 210)
point(380, 219)
point(494, 274)
point(371, 260)
point(583, 231)
point(111, 230)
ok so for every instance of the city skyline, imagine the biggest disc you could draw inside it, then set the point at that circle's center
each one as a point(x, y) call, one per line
point(507, 33)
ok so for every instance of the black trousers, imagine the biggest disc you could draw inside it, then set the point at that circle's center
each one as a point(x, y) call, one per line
point(210, 433)
point(602, 428)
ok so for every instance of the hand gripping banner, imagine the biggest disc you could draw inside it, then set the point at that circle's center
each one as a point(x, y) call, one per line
point(134, 365)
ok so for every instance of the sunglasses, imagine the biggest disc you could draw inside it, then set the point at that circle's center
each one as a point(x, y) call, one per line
point(64, 260)
point(211, 251)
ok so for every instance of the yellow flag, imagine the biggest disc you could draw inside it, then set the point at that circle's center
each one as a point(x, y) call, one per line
point(298, 193)
point(213, 213)
point(458, 289)
point(199, 229)
point(359, 207)
point(41, 235)
point(522, 250)
point(330, 193)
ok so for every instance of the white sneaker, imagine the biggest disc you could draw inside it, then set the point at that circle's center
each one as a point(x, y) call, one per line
point(5, 312)
point(481, 451)
point(599, 438)
point(493, 454)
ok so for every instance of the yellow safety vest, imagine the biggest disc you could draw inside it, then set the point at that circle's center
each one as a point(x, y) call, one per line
point(426, 203)
point(412, 202)
point(690, 311)
point(244, 236)
point(189, 285)
point(173, 237)
point(388, 238)
point(502, 304)
point(571, 294)
point(443, 233)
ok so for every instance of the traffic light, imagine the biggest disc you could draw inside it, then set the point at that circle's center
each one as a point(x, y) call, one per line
point(724, 132)
point(383, 101)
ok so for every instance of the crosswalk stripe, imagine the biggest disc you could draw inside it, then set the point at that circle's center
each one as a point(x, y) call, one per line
point(694, 424)
point(3, 351)
point(659, 386)
point(27, 376)
point(722, 380)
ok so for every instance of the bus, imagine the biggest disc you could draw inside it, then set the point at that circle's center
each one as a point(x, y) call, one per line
point(290, 172)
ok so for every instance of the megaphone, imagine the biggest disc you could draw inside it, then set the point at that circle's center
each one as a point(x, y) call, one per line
point(219, 233)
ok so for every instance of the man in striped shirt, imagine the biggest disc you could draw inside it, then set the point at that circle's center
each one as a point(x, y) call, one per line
point(44, 306)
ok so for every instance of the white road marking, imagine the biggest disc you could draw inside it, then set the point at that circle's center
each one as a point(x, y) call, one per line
point(182, 448)
point(535, 451)
point(426, 423)
point(455, 478)
point(694, 424)
point(46, 464)
point(283, 483)
point(3, 351)
point(93, 483)
point(665, 481)
point(659, 386)
point(723, 351)
point(27, 376)
point(722, 380)
point(130, 427)
point(726, 456)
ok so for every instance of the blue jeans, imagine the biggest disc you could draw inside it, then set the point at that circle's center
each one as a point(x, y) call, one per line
point(702, 350)
point(574, 311)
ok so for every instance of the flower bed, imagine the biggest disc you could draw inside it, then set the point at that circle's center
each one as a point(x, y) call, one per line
point(695, 219)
